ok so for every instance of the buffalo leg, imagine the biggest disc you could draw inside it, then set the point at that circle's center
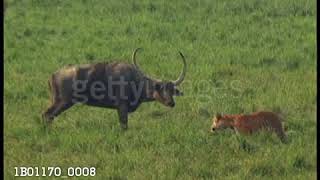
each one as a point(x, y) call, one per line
point(47, 114)
point(123, 116)
point(280, 133)
point(56, 109)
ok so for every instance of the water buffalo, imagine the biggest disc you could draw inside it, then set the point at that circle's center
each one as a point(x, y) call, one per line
point(120, 86)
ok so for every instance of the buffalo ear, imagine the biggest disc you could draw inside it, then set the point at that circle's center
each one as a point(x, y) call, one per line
point(158, 87)
point(177, 92)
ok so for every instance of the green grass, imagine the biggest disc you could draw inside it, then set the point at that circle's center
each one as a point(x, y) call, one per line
point(242, 56)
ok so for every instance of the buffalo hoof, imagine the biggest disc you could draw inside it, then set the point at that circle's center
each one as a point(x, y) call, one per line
point(124, 126)
point(47, 119)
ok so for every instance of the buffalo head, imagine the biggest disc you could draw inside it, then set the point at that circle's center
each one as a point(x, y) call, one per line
point(163, 91)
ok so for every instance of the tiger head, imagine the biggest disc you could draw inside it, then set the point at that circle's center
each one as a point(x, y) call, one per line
point(221, 122)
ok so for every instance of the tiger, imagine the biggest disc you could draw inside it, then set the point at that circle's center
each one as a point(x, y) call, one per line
point(250, 123)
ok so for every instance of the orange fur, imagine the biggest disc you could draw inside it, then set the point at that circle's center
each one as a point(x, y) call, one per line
point(248, 124)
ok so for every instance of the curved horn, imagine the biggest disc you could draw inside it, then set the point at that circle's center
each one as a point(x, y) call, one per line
point(134, 56)
point(134, 60)
point(183, 73)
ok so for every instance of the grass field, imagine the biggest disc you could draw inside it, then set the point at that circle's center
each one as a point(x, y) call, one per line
point(242, 56)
